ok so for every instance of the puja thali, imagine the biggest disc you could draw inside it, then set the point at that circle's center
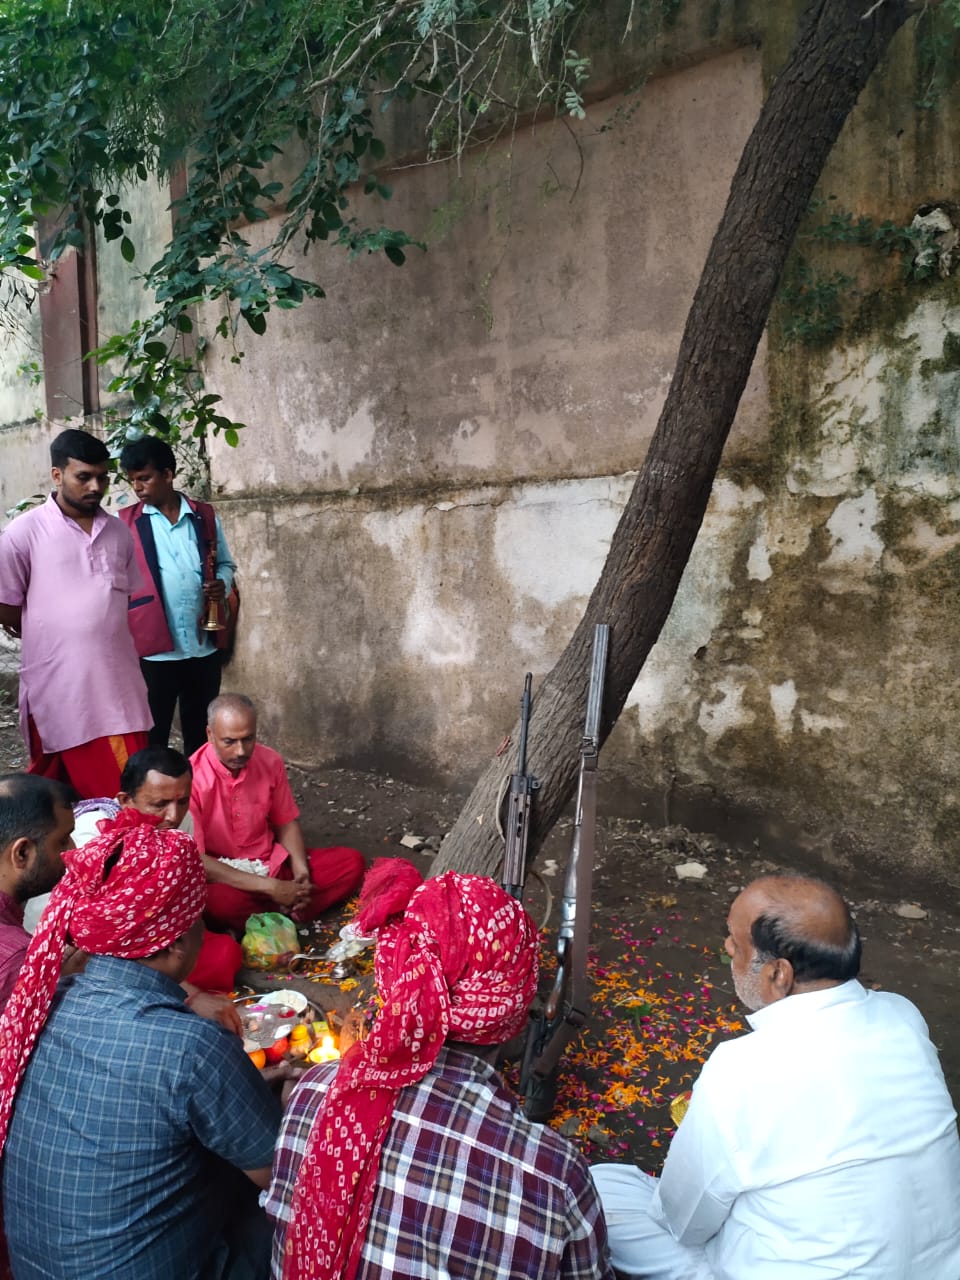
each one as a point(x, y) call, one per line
point(283, 1026)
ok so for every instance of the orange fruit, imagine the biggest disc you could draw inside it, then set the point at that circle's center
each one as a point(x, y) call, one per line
point(258, 1058)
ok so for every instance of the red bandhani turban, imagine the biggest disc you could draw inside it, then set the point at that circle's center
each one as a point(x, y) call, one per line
point(148, 897)
point(460, 962)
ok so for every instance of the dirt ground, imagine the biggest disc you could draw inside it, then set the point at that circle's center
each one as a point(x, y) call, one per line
point(662, 990)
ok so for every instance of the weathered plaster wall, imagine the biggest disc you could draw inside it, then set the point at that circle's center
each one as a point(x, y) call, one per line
point(25, 433)
point(809, 678)
point(534, 338)
point(438, 455)
point(810, 671)
point(22, 435)
point(19, 344)
point(26, 462)
point(121, 297)
point(461, 437)
point(388, 634)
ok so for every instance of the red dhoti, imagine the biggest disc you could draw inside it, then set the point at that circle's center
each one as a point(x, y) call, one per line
point(93, 769)
point(220, 957)
point(335, 874)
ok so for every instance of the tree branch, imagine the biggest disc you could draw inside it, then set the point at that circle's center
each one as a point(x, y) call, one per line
point(376, 30)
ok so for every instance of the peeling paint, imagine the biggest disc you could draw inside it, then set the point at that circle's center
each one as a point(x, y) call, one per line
point(788, 531)
point(758, 561)
point(663, 696)
point(856, 548)
point(925, 539)
point(718, 718)
point(438, 636)
point(818, 724)
point(551, 541)
point(729, 498)
point(889, 415)
point(476, 444)
point(783, 701)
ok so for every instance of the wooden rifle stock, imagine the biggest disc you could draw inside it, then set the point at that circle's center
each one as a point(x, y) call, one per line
point(565, 1010)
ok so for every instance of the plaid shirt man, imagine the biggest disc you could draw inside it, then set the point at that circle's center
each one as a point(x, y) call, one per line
point(467, 1187)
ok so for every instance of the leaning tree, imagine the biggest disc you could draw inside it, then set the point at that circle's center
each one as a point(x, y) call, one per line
point(838, 46)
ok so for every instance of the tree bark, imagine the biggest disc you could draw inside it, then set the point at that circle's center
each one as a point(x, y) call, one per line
point(839, 44)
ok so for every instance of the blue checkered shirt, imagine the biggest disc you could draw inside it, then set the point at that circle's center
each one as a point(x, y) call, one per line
point(130, 1104)
point(467, 1187)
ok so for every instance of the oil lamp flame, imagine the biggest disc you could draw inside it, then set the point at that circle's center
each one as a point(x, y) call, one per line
point(325, 1051)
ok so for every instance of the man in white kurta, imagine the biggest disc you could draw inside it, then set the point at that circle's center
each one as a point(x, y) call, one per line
point(822, 1144)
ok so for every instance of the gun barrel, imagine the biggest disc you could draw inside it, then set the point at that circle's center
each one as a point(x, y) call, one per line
point(524, 722)
point(601, 642)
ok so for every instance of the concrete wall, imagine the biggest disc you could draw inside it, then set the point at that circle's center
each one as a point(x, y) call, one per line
point(21, 412)
point(25, 431)
point(21, 400)
point(121, 296)
point(437, 457)
point(438, 454)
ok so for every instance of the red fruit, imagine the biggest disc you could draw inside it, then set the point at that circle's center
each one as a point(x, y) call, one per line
point(275, 1052)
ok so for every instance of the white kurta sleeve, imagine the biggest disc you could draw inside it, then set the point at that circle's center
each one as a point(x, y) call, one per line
point(699, 1182)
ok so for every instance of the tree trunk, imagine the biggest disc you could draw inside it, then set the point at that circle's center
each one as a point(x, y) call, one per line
point(839, 44)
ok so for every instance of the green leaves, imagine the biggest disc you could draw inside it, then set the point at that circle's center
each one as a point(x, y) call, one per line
point(255, 319)
point(99, 95)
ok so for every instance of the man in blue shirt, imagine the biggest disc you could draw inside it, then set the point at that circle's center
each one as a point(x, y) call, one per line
point(185, 564)
point(135, 1120)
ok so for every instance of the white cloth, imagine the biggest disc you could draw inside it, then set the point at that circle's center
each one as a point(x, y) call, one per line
point(85, 824)
point(640, 1245)
point(254, 866)
point(84, 829)
point(823, 1144)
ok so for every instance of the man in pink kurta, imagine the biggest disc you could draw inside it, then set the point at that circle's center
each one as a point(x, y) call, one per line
point(67, 571)
point(246, 824)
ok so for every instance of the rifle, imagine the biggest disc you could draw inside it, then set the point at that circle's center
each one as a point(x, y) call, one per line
point(522, 787)
point(565, 1009)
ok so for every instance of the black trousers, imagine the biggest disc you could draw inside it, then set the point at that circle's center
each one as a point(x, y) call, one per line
point(194, 683)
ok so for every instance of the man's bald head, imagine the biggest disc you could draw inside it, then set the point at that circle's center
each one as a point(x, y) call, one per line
point(234, 703)
point(232, 730)
point(790, 934)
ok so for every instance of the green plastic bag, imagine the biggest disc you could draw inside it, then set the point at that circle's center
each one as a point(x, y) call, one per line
point(270, 941)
